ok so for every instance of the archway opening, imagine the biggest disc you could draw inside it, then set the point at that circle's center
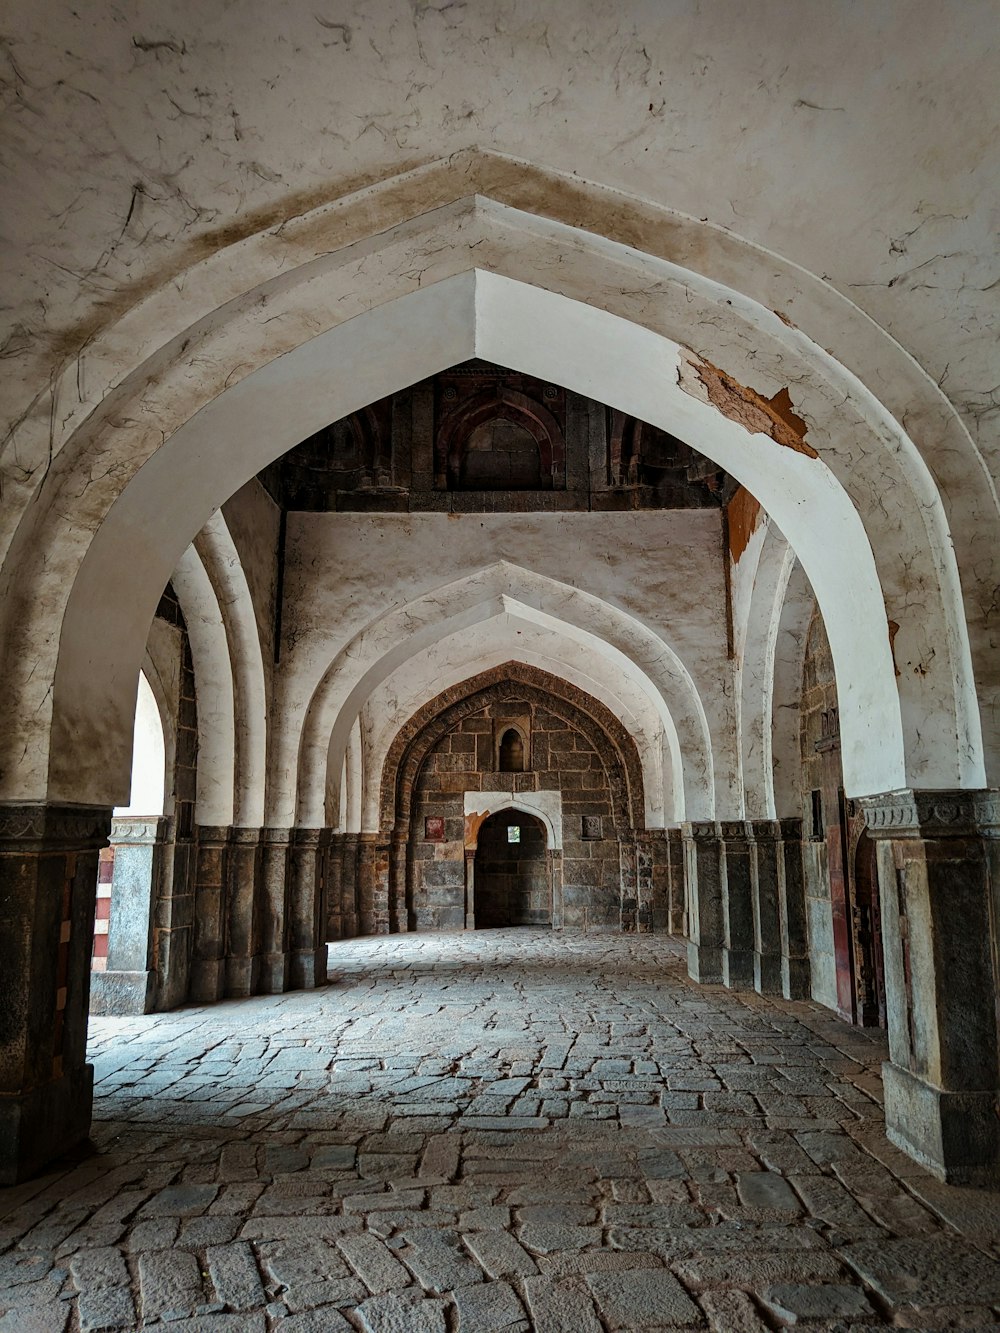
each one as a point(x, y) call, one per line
point(121, 887)
point(513, 885)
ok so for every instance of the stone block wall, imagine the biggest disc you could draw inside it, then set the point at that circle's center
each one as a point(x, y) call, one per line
point(560, 758)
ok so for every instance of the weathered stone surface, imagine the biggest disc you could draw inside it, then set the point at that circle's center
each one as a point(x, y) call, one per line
point(169, 1281)
point(233, 1270)
point(392, 1313)
point(492, 1307)
point(644, 1298)
point(714, 1205)
point(500, 1254)
point(793, 1302)
point(938, 1270)
point(560, 1306)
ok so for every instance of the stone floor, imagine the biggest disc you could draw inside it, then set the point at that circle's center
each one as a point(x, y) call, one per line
point(507, 1130)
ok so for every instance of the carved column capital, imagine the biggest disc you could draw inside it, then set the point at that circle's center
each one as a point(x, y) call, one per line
point(932, 814)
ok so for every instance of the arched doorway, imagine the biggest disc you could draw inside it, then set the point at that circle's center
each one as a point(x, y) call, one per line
point(512, 880)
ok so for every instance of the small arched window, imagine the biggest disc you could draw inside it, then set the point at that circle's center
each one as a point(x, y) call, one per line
point(511, 752)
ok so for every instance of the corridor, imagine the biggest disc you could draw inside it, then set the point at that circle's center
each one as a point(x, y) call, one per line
point(506, 1130)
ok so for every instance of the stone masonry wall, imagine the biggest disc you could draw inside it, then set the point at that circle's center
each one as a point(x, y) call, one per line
point(559, 758)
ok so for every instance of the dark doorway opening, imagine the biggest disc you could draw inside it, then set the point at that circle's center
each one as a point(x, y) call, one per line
point(512, 882)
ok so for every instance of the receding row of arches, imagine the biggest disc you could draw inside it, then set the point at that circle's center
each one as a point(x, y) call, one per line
point(349, 684)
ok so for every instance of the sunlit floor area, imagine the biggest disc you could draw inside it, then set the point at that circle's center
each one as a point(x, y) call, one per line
point(496, 1130)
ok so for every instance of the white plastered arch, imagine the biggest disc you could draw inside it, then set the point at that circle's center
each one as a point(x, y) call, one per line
point(627, 645)
point(795, 603)
point(224, 568)
point(213, 674)
point(946, 752)
point(510, 636)
point(545, 806)
point(755, 671)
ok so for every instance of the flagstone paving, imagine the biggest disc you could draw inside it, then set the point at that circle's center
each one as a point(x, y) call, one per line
point(500, 1130)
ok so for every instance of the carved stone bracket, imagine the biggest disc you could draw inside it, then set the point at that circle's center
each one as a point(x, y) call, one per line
point(932, 814)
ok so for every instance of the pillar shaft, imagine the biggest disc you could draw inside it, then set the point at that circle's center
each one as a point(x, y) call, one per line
point(128, 983)
point(273, 906)
point(792, 920)
point(307, 911)
point(766, 888)
point(243, 873)
point(703, 895)
point(48, 887)
point(936, 855)
point(737, 905)
point(208, 964)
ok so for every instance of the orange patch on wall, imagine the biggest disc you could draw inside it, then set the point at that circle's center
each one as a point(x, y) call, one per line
point(774, 417)
point(742, 519)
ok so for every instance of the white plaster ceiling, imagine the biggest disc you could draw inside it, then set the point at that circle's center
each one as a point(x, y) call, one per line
point(859, 141)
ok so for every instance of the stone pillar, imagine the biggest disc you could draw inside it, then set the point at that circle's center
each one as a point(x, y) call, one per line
point(629, 881)
point(554, 857)
point(937, 858)
point(766, 888)
point(676, 904)
point(380, 886)
point(208, 965)
point(307, 943)
point(273, 907)
point(350, 915)
point(399, 920)
point(332, 852)
point(48, 887)
point(470, 888)
point(737, 904)
point(173, 920)
point(243, 874)
point(128, 984)
point(703, 894)
point(795, 979)
point(367, 859)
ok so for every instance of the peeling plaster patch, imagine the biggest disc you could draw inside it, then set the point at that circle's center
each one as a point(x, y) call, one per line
point(785, 320)
point(773, 417)
point(742, 520)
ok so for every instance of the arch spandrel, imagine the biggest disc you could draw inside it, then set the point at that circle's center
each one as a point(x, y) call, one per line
point(946, 752)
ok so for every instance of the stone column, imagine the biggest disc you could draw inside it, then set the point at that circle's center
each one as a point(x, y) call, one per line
point(703, 894)
point(332, 853)
point(766, 888)
point(367, 870)
point(676, 905)
point(380, 886)
point(937, 858)
point(48, 887)
point(307, 911)
point(208, 965)
point(554, 856)
point(629, 879)
point(470, 888)
point(128, 984)
point(243, 873)
point(273, 906)
point(350, 916)
point(399, 920)
point(737, 904)
point(795, 978)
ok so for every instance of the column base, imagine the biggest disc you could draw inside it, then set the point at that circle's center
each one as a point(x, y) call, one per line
point(307, 968)
point(240, 977)
point(705, 963)
point(737, 969)
point(273, 975)
point(796, 981)
point(208, 980)
point(767, 974)
point(37, 1126)
point(122, 993)
point(954, 1135)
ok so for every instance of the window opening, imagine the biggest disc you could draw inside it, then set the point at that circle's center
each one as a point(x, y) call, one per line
point(514, 833)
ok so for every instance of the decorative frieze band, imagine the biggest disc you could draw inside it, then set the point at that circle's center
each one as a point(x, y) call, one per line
point(38, 827)
point(932, 814)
